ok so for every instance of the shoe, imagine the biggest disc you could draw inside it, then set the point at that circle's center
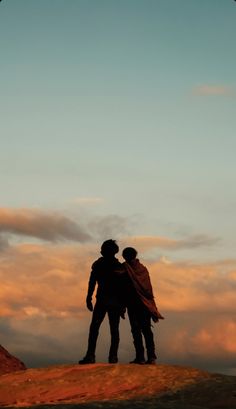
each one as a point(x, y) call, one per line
point(138, 361)
point(113, 360)
point(151, 361)
point(87, 360)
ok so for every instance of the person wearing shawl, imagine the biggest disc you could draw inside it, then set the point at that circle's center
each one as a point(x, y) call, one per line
point(141, 306)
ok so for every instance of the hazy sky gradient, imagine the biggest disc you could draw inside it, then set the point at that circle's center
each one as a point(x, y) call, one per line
point(118, 118)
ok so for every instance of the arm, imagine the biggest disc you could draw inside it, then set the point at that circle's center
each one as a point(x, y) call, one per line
point(91, 288)
point(120, 270)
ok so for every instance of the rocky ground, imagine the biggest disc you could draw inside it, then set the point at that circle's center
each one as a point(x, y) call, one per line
point(112, 387)
point(9, 363)
point(117, 386)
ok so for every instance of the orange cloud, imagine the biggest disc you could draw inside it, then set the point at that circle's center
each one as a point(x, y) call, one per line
point(214, 90)
point(210, 338)
point(195, 287)
point(216, 337)
point(42, 296)
point(44, 280)
point(52, 280)
point(43, 290)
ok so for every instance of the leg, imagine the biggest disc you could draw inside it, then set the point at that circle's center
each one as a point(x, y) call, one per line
point(137, 334)
point(148, 336)
point(114, 321)
point(99, 313)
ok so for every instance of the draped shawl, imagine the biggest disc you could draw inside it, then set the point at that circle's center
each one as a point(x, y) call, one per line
point(139, 276)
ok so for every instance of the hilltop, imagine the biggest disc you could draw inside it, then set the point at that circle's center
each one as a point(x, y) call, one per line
point(117, 386)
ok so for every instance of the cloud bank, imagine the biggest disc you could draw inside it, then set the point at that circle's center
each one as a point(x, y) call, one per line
point(42, 296)
point(44, 285)
point(35, 223)
point(185, 286)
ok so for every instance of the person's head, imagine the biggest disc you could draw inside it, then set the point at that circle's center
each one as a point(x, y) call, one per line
point(109, 248)
point(129, 254)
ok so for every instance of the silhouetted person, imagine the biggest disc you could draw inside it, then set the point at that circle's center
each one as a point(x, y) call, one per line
point(141, 306)
point(107, 300)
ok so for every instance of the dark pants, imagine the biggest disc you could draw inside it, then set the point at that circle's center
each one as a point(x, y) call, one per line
point(140, 322)
point(99, 313)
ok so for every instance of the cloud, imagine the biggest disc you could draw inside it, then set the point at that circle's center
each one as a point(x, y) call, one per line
point(203, 340)
point(214, 90)
point(40, 280)
point(43, 290)
point(196, 241)
point(111, 226)
point(35, 223)
point(42, 298)
point(217, 336)
point(145, 243)
point(52, 281)
point(203, 287)
point(213, 336)
point(88, 200)
point(3, 242)
point(33, 341)
point(55, 227)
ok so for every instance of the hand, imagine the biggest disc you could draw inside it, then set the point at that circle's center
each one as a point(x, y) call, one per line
point(89, 304)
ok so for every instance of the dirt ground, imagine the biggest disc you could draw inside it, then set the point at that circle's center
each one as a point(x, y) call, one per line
point(117, 386)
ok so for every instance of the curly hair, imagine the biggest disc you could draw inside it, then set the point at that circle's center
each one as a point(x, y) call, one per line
point(109, 248)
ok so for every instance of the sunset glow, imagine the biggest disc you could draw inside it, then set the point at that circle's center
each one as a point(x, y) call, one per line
point(118, 121)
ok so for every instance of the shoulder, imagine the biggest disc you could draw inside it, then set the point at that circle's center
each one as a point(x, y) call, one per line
point(103, 263)
point(98, 263)
point(116, 261)
point(141, 267)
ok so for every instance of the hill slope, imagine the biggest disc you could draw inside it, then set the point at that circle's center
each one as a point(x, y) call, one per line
point(118, 386)
point(9, 363)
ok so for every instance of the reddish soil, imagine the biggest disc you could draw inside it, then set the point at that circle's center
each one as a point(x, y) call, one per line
point(114, 386)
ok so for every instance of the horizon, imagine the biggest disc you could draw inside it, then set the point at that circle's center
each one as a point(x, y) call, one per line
point(118, 121)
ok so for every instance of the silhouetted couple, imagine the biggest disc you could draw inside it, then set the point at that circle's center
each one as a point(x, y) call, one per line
point(121, 286)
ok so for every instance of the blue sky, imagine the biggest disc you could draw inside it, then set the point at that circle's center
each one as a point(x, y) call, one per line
point(121, 111)
point(97, 99)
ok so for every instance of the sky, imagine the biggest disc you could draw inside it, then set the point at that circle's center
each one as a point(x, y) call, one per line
point(117, 120)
